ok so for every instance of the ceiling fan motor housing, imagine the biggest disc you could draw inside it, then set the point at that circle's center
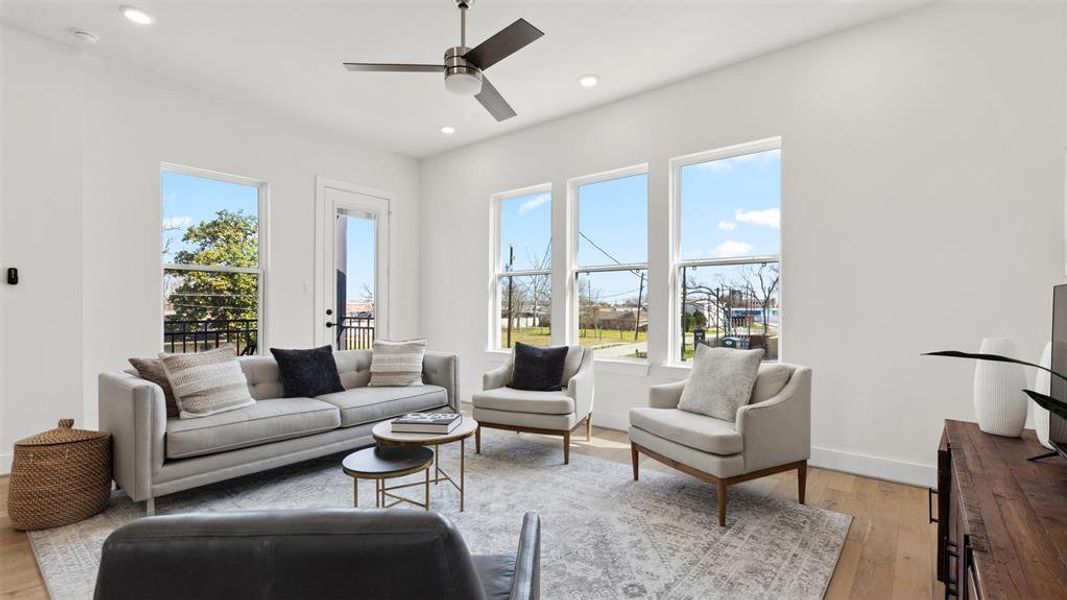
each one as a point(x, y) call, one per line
point(460, 76)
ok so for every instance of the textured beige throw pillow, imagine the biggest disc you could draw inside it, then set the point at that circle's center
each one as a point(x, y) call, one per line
point(721, 381)
point(206, 383)
point(397, 364)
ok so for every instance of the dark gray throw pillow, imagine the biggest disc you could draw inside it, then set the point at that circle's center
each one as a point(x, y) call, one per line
point(308, 373)
point(538, 369)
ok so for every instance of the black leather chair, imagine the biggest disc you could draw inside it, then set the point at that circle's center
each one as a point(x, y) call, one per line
point(342, 553)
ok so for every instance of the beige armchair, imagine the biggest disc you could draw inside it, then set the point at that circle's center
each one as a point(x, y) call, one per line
point(771, 434)
point(554, 413)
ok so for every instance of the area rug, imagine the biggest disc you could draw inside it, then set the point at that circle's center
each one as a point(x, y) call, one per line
point(605, 536)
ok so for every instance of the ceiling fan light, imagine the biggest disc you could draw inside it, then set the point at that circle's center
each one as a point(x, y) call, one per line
point(136, 15)
point(463, 84)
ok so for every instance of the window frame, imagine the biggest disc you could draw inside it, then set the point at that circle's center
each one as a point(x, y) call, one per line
point(677, 262)
point(496, 266)
point(574, 270)
point(262, 233)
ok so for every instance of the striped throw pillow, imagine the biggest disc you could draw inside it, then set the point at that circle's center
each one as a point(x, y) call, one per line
point(207, 383)
point(397, 364)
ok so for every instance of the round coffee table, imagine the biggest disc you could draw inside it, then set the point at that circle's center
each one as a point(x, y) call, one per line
point(380, 464)
point(383, 434)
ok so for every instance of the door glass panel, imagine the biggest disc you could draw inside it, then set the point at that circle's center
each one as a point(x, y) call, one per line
point(355, 260)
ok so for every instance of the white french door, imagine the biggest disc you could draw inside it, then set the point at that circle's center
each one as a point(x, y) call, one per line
point(352, 291)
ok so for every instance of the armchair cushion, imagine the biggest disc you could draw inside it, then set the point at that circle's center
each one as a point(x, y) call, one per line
point(770, 380)
point(512, 400)
point(699, 432)
point(721, 381)
point(538, 369)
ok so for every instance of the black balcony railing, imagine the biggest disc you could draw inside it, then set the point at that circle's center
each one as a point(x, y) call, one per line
point(197, 336)
point(355, 333)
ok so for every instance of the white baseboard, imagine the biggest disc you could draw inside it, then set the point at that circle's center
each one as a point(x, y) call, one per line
point(874, 466)
point(825, 458)
point(5, 463)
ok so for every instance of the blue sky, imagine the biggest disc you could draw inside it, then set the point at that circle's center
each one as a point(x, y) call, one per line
point(729, 208)
point(360, 267)
point(188, 200)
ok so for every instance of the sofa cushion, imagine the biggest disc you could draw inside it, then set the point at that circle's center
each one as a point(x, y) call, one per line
point(263, 422)
point(264, 377)
point(207, 383)
point(397, 364)
point(512, 400)
point(370, 404)
point(307, 372)
point(696, 431)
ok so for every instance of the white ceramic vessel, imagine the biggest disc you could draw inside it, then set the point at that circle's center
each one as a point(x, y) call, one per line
point(999, 401)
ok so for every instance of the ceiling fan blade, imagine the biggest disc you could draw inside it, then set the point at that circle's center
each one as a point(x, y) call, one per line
point(494, 102)
point(503, 44)
point(394, 67)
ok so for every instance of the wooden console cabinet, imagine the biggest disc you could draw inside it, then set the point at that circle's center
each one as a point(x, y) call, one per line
point(1001, 519)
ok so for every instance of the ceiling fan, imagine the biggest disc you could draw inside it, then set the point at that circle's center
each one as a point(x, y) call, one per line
point(463, 66)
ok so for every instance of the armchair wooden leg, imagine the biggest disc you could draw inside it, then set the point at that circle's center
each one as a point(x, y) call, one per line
point(634, 459)
point(802, 480)
point(722, 503)
point(589, 428)
point(478, 440)
point(566, 447)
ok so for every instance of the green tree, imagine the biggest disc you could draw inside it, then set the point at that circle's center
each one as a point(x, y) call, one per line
point(230, 239)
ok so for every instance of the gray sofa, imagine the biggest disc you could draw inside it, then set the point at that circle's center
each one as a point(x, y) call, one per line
point(155, 456)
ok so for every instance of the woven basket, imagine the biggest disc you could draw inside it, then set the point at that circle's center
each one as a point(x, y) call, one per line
point(58, 477)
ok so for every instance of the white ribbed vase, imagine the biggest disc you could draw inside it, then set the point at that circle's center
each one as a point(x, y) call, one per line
point(1043, 385)
point(999, 401)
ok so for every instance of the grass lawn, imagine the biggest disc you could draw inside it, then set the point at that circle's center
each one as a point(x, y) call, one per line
point(604, 338)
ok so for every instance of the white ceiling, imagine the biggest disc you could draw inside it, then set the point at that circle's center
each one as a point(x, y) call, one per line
point(285, 56)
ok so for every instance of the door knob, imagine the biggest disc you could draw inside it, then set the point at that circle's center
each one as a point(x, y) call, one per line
point(329, 324)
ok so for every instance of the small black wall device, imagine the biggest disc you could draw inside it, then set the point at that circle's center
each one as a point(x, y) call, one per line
point(12, 276)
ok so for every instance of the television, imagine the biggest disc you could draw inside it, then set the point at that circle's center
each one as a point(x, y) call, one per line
point(1058, 387)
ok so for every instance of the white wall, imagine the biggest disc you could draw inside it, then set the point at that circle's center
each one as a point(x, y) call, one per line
point(923, 192)
point(83, 143)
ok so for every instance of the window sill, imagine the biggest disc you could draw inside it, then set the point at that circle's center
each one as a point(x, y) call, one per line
point(497, 356)
point(623, 367)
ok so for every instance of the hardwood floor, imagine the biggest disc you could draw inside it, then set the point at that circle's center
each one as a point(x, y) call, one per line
point(889, 552)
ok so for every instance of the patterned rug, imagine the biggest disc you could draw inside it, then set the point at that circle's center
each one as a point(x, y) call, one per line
point(605, 536)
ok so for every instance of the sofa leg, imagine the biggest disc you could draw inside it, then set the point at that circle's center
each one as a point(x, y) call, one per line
point(722, 503)
point(802, 480)
point(478, 440)
point(566, 447)
point(589, 428)
point(150, 506)
point(634, 459)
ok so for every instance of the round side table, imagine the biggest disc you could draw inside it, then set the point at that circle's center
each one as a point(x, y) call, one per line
point(383, 463)
point(383, 434)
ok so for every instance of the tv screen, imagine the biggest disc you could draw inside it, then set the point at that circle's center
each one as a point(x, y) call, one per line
point(1058, 426)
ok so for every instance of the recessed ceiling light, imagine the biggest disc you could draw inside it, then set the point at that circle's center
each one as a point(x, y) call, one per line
point(588, 80)
point(448, 130)
point(136, 15)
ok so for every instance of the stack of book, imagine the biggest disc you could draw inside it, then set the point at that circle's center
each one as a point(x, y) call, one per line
point(427, 423)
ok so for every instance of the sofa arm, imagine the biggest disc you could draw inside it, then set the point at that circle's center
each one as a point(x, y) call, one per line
point(777, 431)
point(666, 395)
point(441, 368)
point(498, 377)
point(527, 582)
point(134, 412)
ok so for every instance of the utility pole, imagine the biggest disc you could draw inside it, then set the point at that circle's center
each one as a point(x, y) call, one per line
point(511, 289)
point(637, 321)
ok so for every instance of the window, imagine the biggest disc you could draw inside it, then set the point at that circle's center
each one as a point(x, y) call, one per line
point(611, 263)
point(727, 206)
point(522, 296)
point(213, 256)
